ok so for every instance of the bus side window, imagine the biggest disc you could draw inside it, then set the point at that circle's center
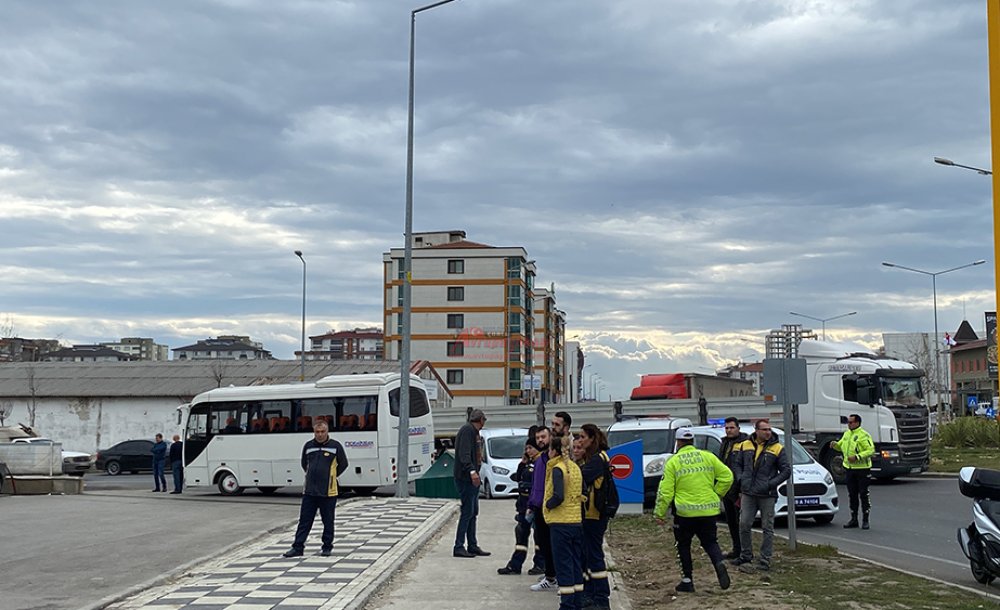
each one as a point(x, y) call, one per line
point(372, 422)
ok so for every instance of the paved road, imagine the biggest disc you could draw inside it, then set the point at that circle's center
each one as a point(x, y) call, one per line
point(913, 528)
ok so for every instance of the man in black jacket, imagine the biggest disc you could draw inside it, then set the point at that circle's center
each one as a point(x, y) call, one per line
point(323, 460)
point(177, 463)
point(730, 502)
point(764, 465)
point(468, 459)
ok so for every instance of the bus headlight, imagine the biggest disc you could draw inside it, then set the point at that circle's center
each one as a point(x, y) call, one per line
point(499, 470)
point(655, 467)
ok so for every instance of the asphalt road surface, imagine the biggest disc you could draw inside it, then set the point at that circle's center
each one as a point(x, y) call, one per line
point(913, 528)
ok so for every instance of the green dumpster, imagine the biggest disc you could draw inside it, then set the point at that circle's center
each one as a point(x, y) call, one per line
point(439, 480)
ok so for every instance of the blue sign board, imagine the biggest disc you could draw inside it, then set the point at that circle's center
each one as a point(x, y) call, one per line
point(626, 461)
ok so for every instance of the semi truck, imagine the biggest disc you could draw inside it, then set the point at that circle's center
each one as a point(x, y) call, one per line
point(886, 393)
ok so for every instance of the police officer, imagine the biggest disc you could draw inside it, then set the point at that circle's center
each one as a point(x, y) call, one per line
point(858, 448)
point(524, 476)
point(694, 481)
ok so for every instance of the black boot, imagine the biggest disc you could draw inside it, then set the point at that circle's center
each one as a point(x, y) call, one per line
point(853, 522)
point(864, 522)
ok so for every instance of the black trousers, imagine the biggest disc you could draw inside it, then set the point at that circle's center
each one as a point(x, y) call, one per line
point(307, 514)
point(543, 538)
point(522, 532)
point(857, 489)
point(685, 529)
point(733, 521)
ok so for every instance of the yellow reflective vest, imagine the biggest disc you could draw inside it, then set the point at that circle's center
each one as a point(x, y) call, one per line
point(694, 480)
point(571, 509)
point(858, 443)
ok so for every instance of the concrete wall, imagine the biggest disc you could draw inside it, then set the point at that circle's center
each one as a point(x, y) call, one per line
point(89, 424)
point(23, 458)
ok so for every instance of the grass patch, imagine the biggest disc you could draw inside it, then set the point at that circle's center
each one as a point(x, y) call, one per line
point(816, 577)
point(952, 459)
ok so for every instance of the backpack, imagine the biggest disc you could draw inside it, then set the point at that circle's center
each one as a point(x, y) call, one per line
point(606, 496)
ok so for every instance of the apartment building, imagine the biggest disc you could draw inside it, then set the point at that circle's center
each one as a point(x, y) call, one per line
point(139, 348)
point(472, 318)
point(224, 347)
point(86, 353)
point(357, 344)
point(549, 345)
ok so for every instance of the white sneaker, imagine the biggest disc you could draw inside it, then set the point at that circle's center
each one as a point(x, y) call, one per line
point(545, 585)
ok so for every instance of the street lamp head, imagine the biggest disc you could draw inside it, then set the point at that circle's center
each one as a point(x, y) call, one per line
point(885, 264)
point(298, 253)
point(979, 262)
point(943, 161)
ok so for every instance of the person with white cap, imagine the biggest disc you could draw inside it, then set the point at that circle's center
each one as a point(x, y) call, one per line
point(694, 481)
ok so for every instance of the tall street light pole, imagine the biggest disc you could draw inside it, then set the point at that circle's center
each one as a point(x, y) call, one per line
point(950, 163)
point(403, 453)
point(302, 364)
point(823, 321)
point(937, 343)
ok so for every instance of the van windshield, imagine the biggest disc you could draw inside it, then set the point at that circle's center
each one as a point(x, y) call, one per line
point(507, 447)
point(654, 442)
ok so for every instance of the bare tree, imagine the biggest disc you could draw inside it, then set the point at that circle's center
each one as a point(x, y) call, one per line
point(6, 408)
point(7, 327)
point(218, 369)
point(32, 394)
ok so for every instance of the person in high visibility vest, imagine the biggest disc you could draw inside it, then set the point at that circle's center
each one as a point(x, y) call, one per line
point(694, 481)
point(858, 448)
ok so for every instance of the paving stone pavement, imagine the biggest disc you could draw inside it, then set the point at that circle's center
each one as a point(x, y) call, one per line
point(373, 538)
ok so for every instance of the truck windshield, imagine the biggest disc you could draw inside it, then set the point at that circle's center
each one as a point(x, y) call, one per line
point(900, 391)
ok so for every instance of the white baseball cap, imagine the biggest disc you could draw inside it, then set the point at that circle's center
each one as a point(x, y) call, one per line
point(685, 434)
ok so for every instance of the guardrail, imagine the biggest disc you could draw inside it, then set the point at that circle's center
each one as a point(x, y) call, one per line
point(602, 414)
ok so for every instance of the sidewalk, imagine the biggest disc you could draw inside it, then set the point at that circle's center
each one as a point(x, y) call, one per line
point(434, 580)
point(373, 539)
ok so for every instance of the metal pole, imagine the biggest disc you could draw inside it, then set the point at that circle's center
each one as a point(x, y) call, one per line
point(302, 365)
point(790, 485)
point(403, 451)
point(993, 45)
point(937, 348)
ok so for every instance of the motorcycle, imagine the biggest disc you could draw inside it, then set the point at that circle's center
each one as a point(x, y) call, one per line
point(980, 541)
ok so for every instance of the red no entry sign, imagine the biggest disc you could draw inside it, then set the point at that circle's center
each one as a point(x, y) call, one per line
point(621, 466)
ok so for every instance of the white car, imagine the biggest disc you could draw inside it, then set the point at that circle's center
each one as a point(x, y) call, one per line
point(73, 462)
point(502, 451)
point(657, 436)
point(815, 491)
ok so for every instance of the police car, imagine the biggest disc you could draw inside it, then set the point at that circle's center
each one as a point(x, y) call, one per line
point(657, 436)
point(815, 491)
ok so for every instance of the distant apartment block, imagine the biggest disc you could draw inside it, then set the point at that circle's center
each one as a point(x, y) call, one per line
point(140, 348)
point(473, 318)
point(357, 344)
point(573, 364)
point(86, 353)
point(549, 345)
point(16, 349)
point(748, 371)
point(223, 347)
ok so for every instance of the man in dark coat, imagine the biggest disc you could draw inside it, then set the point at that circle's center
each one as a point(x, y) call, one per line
point(323, 460)
point(731, 501)
point(468, 459)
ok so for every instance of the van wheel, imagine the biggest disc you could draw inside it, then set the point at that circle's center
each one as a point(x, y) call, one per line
point(228, 485)
point(489, 489)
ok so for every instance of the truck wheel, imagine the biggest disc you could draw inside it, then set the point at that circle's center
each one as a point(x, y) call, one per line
point(832, 462)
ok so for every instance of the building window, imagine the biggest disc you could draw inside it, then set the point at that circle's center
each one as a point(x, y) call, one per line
point(456, 320)
point(456, 266)
point(514, 296)
point(399, 296)
point(456, 376)
point(456, 348)
point(514, 322)
point(513, 268)
point(515, 379)
point(456, 293)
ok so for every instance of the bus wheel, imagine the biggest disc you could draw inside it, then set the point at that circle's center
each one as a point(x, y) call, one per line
point(267, 491)
point(228, 485)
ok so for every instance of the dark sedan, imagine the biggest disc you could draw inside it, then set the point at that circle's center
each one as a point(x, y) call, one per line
point(127, 456)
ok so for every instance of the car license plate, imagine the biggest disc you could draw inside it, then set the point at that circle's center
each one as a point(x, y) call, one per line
point(416, 468)
point(915, 470)
point(811, 501)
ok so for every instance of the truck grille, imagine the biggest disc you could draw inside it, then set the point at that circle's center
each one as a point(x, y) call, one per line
point(913, 424)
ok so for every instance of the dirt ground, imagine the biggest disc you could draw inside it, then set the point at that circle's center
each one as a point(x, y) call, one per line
point(815, 578)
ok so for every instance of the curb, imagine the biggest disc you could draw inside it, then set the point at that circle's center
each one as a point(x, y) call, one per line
point(183, 568)
point(419, 536)
point(619, 596)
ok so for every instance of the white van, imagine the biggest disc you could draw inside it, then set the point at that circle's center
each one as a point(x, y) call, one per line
point(815, 491)
point(657, 436)
point(502, 451)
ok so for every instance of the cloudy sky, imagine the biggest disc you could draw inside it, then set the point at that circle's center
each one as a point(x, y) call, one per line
point(685, 172)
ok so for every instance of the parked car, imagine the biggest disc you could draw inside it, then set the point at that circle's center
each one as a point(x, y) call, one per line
point(130, 456)
point(73, 462)
point(815, 491)
point(502, 451)
point(657, 436)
